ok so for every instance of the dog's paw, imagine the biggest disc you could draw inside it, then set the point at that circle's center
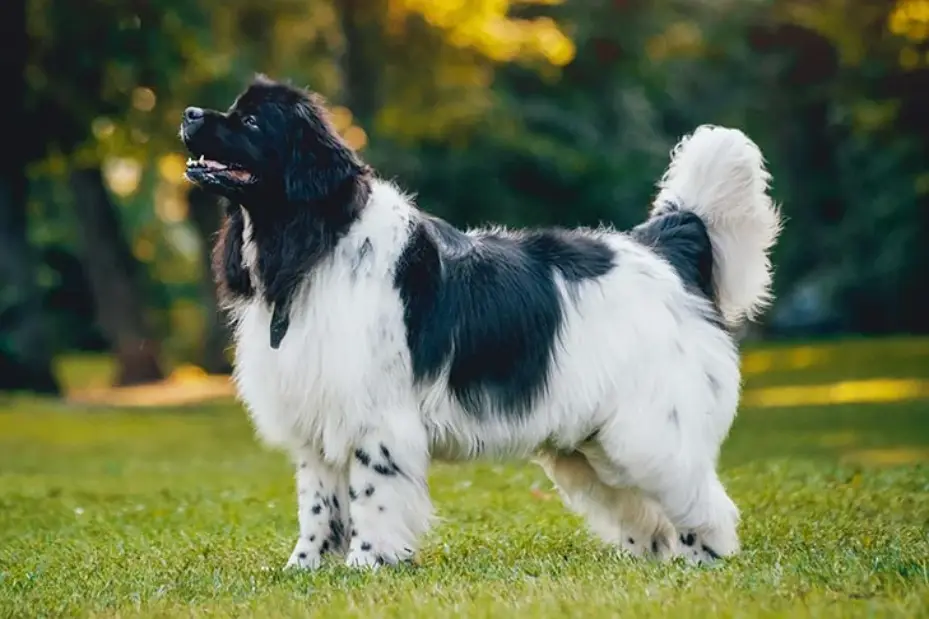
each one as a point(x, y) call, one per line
point(659, 545)
point(304, 557)
point(701, 550)
point(363, 556)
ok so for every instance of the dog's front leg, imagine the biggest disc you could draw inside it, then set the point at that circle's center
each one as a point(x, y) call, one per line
point(322, 509)
point(389, 495)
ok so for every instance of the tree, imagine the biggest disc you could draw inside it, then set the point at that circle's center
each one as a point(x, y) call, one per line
point(114, 278)
point(25, 349)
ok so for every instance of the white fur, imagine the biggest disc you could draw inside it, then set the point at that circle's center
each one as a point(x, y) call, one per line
point(718, 173)
point(638, 362)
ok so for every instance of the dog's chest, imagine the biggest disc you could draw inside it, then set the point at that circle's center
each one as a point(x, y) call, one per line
point(343, 355)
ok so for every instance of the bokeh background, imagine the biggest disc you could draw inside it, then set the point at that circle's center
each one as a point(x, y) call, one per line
point(521, 112)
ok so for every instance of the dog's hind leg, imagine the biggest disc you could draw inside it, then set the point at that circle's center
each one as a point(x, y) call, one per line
point(620, 516)
point(683, 482)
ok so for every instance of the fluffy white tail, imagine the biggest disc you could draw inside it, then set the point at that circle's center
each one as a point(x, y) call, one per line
point(719, 175)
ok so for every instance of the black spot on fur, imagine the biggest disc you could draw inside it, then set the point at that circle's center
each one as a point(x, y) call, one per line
point(302, 555)
point(655, 546)
point(303, 465)
point(317, 509)
point(382, 469)
point(488, 307)
point(689, 539)
point(336, 532)
point(312, 538)
point(680, 237)
point(306, 188)
point(631, 541)
point(709, 551)
point(381, 508)
point(362, 456)
point(325, 546)
point(369, 490)
point(354, 532)
point(363, 251)
point(389, 467)
point(365, 546)
point(352, 495)
point(335, 501)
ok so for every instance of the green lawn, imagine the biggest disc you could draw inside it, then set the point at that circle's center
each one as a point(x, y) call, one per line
point(181, 512)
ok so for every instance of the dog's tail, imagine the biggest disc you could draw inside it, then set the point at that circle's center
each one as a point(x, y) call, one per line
point(718, 174)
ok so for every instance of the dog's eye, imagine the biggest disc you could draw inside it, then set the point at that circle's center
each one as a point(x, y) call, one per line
point(249, 121)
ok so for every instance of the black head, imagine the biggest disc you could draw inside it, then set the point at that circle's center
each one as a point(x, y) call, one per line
point(274, 146)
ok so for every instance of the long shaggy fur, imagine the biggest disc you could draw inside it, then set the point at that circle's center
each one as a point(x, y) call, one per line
point(372, 338)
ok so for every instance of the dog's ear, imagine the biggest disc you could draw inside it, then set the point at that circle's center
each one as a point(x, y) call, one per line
point(321, 161)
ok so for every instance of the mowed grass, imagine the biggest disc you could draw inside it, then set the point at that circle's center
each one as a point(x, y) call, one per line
point(181, 513)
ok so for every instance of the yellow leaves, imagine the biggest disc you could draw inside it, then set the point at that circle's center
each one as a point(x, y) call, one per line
point(680, 39)
point(484, 25)
point(171, 167)
point(870, 116)
point(910, 19)
point(143, 99)
point(122, 175)
point(143, 249)
point(342, 119)
point(839, 21)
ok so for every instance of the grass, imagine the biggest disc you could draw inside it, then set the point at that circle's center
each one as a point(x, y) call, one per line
point(172, 512)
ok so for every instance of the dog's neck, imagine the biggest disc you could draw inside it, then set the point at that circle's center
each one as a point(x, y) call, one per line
point(288, 240)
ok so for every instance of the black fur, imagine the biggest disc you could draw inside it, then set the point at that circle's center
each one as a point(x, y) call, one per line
point(489, 305)
point(305, 188)
point(680, 237)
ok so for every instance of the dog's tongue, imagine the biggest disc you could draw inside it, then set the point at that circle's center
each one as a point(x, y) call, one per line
point(239, 175)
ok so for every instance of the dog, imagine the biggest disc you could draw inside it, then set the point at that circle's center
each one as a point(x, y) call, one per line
point(372, 337)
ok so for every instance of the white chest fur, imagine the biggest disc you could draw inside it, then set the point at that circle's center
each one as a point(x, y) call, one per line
point(344, 357)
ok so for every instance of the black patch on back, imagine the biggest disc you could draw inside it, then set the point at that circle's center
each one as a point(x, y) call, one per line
point(489, 306)
point(680, 237)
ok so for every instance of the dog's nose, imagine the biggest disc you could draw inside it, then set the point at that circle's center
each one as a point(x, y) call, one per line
point(193, 114)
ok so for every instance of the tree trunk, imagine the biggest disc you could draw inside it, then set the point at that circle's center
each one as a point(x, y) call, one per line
point(112, 271)
point(206, 214)
point(362, 24)
point(25, 346)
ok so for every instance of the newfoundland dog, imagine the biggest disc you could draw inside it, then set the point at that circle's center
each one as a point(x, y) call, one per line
point(372, 337)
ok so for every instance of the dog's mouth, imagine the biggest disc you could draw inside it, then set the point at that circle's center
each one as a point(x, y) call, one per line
point(203, 169)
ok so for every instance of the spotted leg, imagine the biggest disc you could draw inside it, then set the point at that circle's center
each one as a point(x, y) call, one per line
point(322, 510)
point(389, 496)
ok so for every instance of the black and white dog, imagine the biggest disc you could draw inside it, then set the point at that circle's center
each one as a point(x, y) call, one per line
point(372, 337)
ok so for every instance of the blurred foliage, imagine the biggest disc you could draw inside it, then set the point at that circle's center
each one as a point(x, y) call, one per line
point(520, 112)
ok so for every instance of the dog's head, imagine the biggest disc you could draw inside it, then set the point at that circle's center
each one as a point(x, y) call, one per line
point(274, 144)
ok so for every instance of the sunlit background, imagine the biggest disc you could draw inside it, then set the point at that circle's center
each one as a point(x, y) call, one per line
point(524, 112)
